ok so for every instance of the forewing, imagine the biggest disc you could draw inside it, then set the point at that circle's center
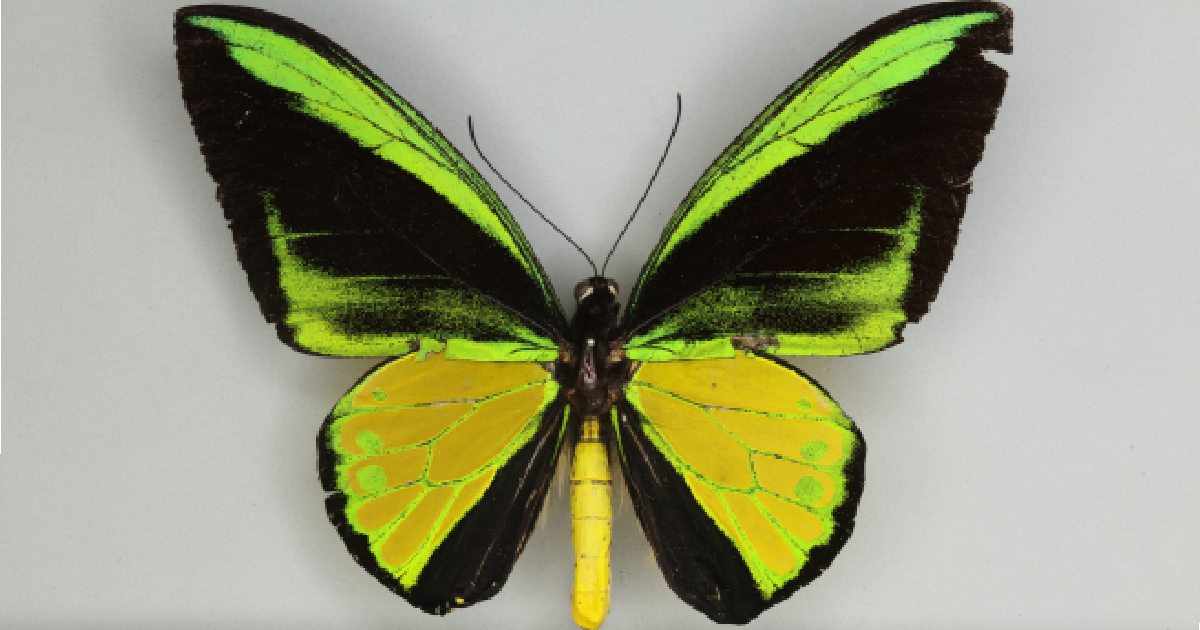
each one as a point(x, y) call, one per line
point(358, 224)
point(829, 222)
point(745, 476)
point(436, 471)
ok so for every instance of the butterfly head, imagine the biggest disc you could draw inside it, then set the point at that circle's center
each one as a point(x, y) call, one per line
point(596, 308)
point(596, 286)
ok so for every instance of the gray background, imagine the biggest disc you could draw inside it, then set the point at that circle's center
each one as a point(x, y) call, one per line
point(1033, 444)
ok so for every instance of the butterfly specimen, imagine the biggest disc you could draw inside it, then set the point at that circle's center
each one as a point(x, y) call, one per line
point(823, 229)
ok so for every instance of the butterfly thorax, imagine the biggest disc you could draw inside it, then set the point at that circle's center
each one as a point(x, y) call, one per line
point(592, 366)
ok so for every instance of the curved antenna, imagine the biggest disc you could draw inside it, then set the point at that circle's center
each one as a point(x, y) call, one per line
point(471, 129)
point(628, 222)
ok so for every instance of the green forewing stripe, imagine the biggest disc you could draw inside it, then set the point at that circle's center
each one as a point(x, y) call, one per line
point(389, 127)
point(449, 155)
point(537, 349)
point(317, 299)
point(643, 348)
point(811, 111)
point(873, 293)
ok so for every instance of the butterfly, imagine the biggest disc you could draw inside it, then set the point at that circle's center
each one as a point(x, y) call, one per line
point(823, 229)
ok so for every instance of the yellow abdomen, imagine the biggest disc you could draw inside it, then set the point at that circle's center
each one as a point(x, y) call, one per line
point(591, 525)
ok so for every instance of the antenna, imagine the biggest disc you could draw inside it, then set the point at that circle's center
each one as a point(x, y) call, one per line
point(628, 222)
point(471, 129)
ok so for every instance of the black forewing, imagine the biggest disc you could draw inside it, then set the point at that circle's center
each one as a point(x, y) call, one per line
point(763, 264)
point(386, 255)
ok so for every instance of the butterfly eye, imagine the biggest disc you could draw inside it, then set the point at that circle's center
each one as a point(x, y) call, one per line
point(612, 286)
point(582, 290)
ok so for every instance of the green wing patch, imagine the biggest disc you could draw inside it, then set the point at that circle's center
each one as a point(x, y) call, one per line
point(856, 308)
point(337, 92)
point(812, 110)
point(326, 311)
point(358, 224)
point(828, 224)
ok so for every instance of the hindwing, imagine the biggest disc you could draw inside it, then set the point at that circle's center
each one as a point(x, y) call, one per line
point(745, 476)
point(437, 469)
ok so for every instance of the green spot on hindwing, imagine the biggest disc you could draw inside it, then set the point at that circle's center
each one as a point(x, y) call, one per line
point(369, 441)
point(814, 450)
point(372, 478)
point(809, 489)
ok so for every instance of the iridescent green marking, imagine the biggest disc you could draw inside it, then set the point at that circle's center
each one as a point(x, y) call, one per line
point(372, 478)
point(318, 300)
point(377, 119)
point(809, 112)
point(873, 292)
point(808, 490)
point(536, 350)
point(643, 348)
point(369, 441)
point(814, 450)
point(427, 346)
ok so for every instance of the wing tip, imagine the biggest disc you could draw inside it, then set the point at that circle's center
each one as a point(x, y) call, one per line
point(240, 13)
point(991, 35)
point(997, 35)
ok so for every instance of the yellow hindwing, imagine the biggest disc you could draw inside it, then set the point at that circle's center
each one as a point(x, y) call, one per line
point(763, 450)
point(418, 442)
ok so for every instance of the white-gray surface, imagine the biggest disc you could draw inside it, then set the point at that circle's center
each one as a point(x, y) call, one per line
point(1033, 444)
